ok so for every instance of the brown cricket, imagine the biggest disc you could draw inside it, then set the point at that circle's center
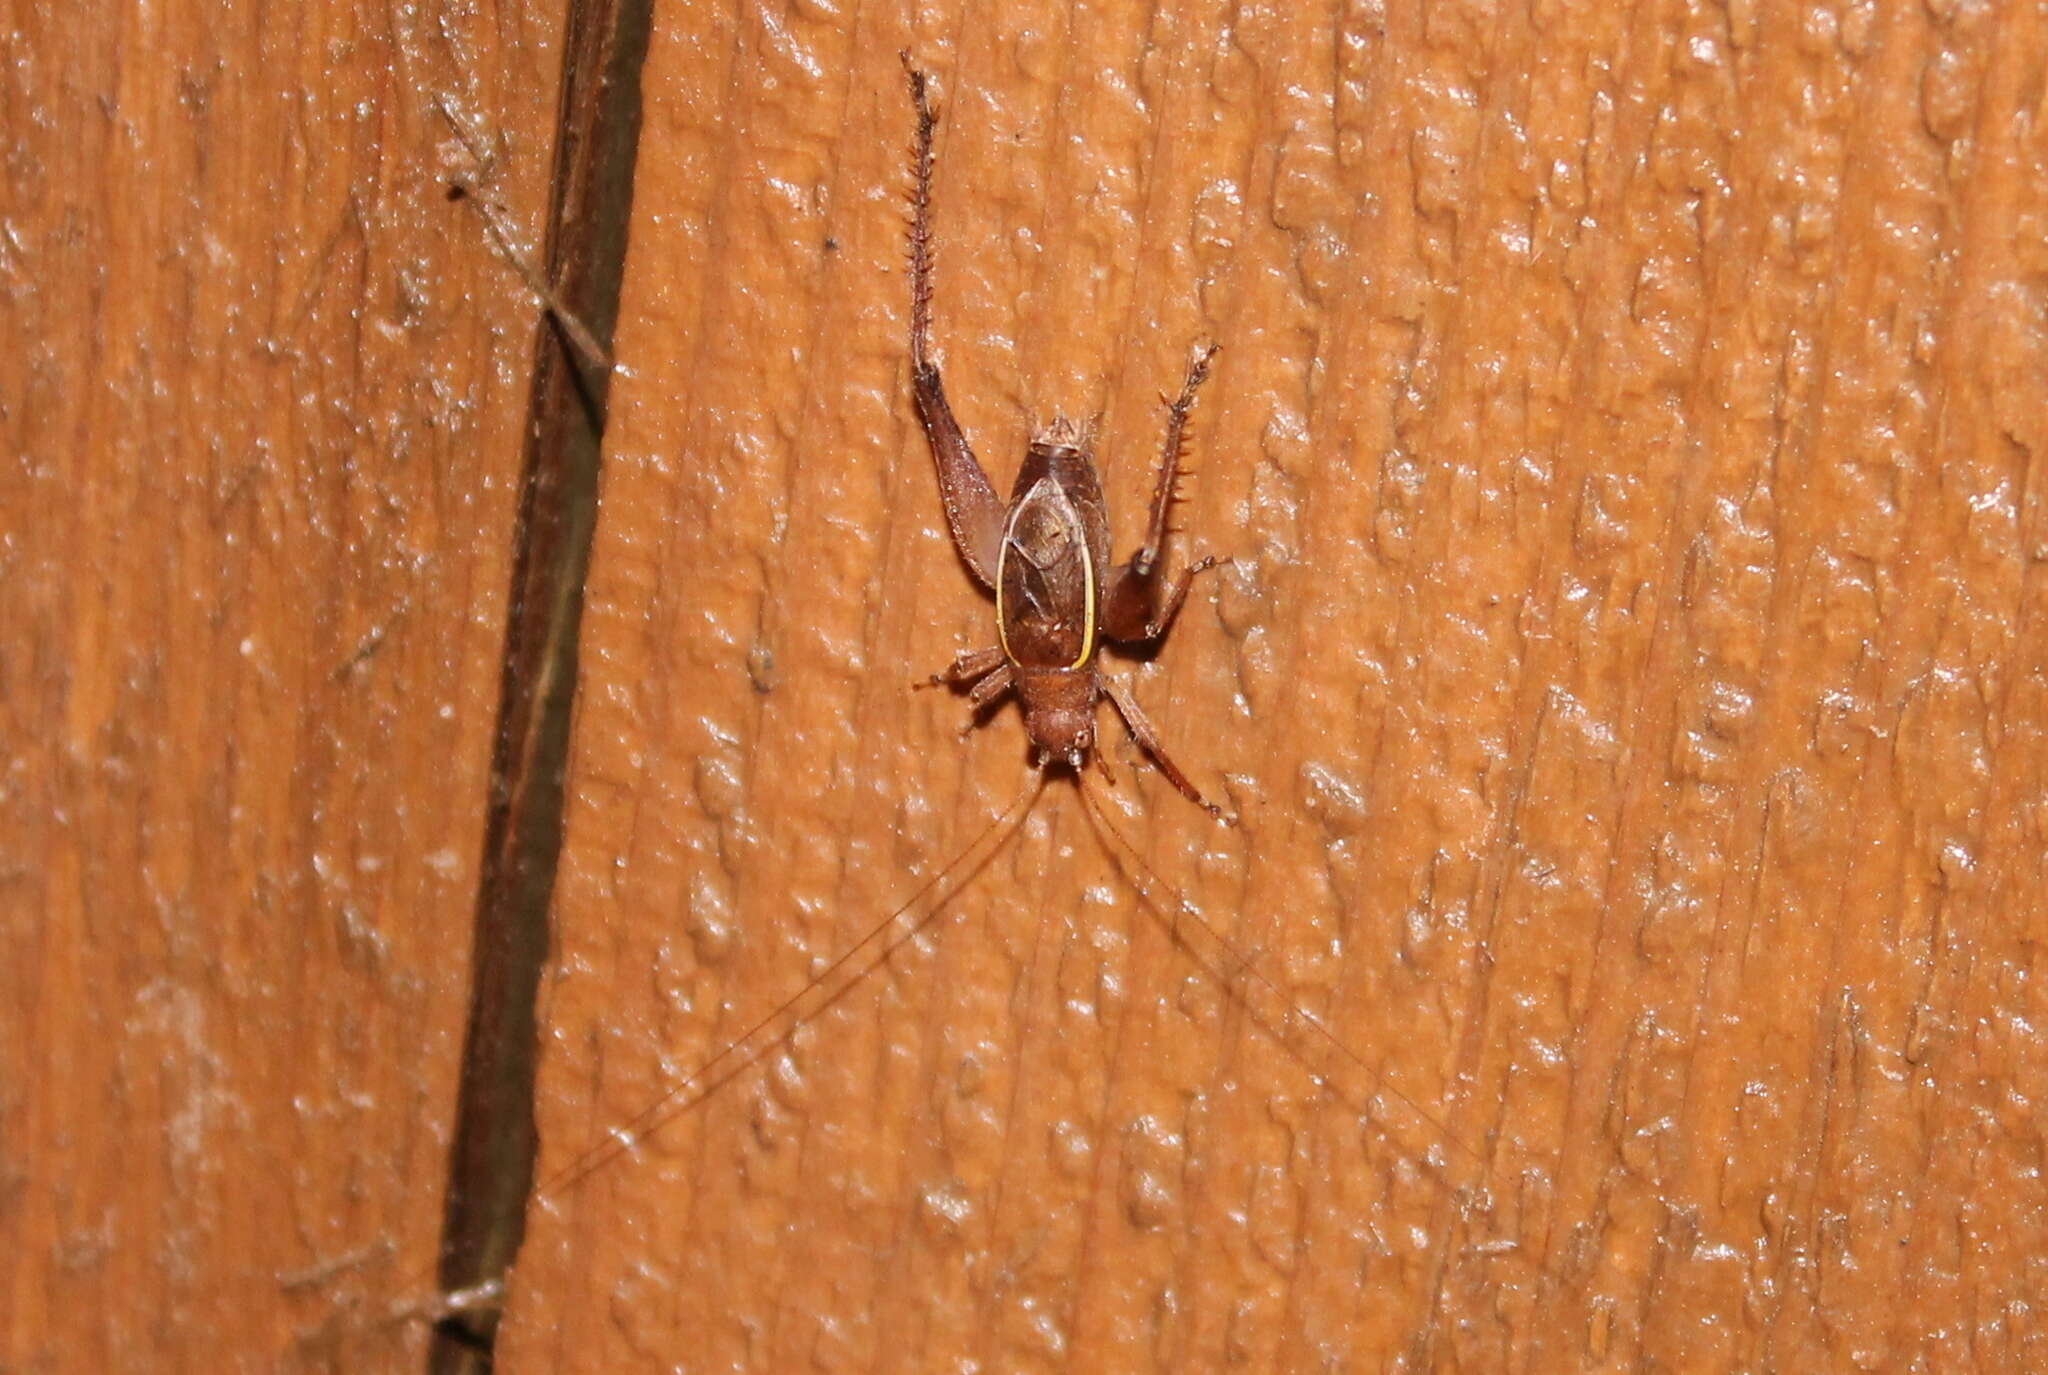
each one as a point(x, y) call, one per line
point(1046, 554)
point(1042, 555)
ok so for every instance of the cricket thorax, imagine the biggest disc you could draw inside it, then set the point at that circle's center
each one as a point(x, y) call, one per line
point(1046, 582)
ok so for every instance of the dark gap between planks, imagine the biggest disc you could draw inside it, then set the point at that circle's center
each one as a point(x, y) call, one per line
point(491, 1160)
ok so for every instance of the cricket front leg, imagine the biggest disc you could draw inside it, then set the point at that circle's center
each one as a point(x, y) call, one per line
point(971, 665)
point(974, 515)
point(1142, 731)
point(985, 673)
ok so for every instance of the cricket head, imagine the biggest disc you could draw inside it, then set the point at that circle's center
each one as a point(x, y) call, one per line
point(1059, 713)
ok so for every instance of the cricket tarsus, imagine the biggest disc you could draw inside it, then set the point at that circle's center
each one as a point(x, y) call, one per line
point(791, 1015)
point(1046, 553)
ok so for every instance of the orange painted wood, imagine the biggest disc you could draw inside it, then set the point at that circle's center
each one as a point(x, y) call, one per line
point(262, 396)
point(1631, 680)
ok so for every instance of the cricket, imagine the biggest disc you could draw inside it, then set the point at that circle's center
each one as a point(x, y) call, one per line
point(1044, 557)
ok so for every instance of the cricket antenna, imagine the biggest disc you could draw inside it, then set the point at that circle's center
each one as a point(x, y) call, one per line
point(884, 939)
point(881, 941)
point(1281, 1018)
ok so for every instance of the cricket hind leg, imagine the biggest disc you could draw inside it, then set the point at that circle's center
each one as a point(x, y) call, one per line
point(974, 514)
point(1133, 609)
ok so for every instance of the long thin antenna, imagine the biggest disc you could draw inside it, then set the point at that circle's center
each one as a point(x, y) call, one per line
point(1191, 930)
point(791, 1015)
point(1225, 962)
point(785, 1021)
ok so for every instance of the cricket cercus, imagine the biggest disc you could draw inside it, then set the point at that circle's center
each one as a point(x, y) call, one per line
point(1046, 554)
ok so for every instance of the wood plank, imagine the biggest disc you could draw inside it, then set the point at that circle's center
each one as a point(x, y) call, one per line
point(264, 401)
point(1631, 681)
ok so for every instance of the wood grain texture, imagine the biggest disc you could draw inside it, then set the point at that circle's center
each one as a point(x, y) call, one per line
point(1628, 432)
point(262, 400)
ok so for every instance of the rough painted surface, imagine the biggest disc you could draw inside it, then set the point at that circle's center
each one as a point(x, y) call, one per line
point(262, 401)
point(1629, 433)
